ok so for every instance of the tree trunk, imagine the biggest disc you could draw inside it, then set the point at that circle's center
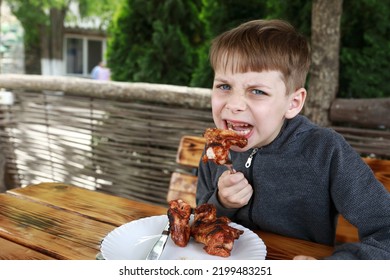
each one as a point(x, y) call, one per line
point(52, 43)
point(324, 73)
point(57, 18)
point(32, 58)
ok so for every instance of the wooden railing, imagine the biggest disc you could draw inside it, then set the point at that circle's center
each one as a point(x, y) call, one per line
point(365, 123)
point(114, 137)
point(119, 138)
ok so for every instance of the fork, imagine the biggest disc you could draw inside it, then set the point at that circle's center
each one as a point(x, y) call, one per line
point(229, 164)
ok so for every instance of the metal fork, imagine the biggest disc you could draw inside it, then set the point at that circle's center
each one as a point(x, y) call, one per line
point(229, 164)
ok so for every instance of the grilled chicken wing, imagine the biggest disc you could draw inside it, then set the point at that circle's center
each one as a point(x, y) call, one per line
point(218, 143)
point(179, 216)
point(215, 233)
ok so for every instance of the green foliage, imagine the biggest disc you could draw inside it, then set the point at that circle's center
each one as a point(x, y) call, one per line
point(168, 41)
point(217, 17)
point(365, 49)
point(30, 21)
point(155, 41)
point(104, 9)
point(221, 15)
point(297, 12)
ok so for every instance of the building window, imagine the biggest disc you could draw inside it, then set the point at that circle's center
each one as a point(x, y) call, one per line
point(95, 53)
point(74, 56)
point(82, 54)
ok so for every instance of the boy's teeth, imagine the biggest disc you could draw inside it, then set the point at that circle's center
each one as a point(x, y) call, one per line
point(241, 130)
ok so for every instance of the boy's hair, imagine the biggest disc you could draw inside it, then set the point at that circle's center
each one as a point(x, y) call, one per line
point(264, 45)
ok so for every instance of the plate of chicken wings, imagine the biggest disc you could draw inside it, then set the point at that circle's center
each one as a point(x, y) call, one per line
point(133, 241)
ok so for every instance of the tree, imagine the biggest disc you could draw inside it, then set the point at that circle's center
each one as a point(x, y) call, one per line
point(43, 23)
point(365, 52)
point(218, 16)
point(324, 73)
point(31, 17)
point(154, 41)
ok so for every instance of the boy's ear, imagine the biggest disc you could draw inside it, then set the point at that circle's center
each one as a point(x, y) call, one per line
point(297, 100)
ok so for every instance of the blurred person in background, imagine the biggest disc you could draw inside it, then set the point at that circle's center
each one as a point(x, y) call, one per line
point(101, 72)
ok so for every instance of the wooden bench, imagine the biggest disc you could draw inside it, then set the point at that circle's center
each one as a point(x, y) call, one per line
point(183, 185)
point(364, 123)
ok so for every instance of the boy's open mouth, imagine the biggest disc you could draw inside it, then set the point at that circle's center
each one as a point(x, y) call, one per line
point(240, 128)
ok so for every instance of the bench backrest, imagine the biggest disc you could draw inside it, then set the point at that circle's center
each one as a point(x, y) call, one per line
point(183, 185)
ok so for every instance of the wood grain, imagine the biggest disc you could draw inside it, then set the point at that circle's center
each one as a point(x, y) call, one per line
point(59, 234)
point(286, 248)
point(368, 112)
point(14, 251)
point(67, 222)
point(365, 124)
point(183, 186)
point(190, 150)
point(101, 207)
point(384, 178)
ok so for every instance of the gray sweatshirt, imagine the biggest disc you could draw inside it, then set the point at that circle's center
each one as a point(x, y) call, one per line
point(302, 181)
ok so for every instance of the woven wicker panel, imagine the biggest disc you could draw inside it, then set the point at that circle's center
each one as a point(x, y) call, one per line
point(126, 148)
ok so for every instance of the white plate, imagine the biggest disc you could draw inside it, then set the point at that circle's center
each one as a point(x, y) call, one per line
point(133, 241)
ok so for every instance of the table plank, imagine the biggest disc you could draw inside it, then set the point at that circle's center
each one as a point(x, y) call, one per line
point(13, 251)
point(102, 207)
point(285, 248)
point(117, 211)
point(346, 232)
point(49, 230)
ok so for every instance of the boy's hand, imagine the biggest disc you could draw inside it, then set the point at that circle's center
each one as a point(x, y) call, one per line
point(234, 191)
point(303, 257)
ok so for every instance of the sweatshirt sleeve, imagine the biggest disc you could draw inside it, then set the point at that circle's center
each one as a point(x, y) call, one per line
point(362, 200)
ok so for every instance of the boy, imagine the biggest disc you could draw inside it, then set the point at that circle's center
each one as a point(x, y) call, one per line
point(293, 178)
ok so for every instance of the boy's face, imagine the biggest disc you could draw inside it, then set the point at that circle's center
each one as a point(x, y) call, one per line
point(254, 104)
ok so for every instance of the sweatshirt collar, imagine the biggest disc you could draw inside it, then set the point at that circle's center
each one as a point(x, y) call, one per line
point(290, 132)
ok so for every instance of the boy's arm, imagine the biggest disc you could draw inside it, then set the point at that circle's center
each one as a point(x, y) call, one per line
point(364, 202)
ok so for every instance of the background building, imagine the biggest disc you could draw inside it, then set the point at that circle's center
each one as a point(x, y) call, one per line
point(11, 42)
point(83, 47)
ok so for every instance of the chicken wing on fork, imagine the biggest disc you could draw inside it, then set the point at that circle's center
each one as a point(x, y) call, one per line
point(218, 143)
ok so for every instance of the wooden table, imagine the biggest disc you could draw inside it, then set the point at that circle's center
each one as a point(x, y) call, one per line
point(59, 221)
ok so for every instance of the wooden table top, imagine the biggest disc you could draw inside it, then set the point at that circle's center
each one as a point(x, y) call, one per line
point(59, 221)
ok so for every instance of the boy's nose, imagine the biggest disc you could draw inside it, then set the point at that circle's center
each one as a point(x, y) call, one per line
point(236, 102)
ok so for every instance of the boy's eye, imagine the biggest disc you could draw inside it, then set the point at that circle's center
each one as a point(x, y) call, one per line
point(224, 87)
point(258, 92)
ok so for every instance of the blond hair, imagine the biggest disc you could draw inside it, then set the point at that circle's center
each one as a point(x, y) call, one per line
point(264, 45)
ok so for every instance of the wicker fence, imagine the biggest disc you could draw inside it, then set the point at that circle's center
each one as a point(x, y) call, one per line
point(118, 138)
point(113, 137)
